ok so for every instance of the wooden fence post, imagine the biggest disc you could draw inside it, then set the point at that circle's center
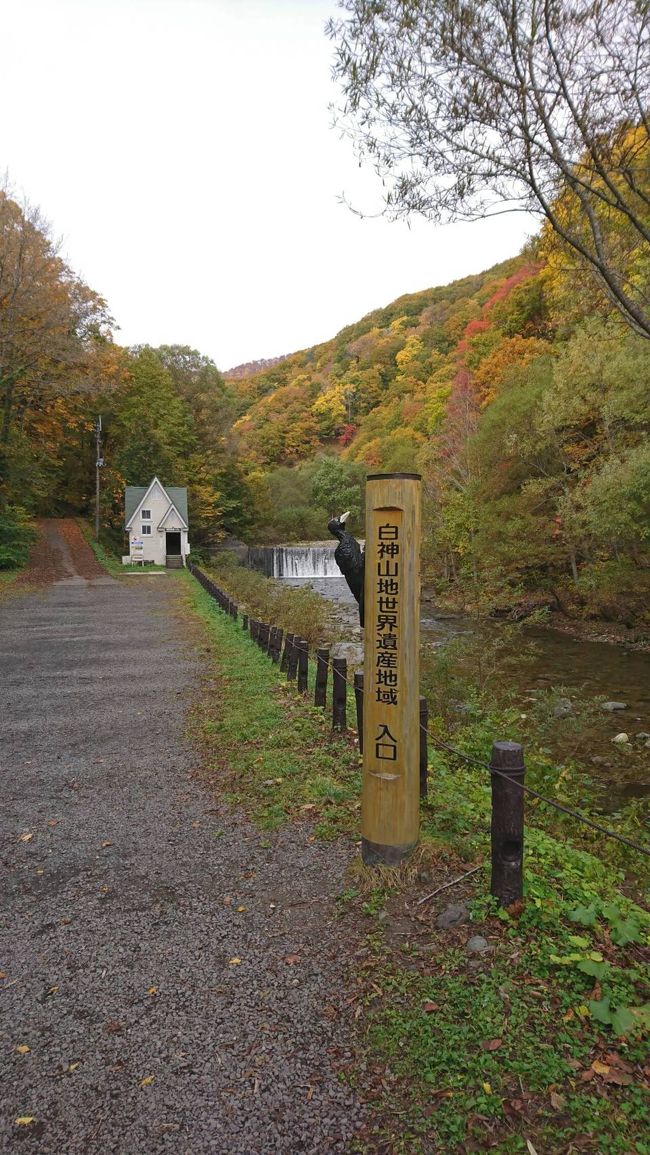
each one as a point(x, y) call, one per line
point(320, 690)
point(284, 664)
point(424, 754)
point(277, 645)
point(302, 647)
point(339, 693)
point(358, 698)
point(292, 663)
point(244, 621)
point(507, 822)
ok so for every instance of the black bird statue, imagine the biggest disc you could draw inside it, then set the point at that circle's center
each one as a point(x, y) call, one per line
point(349, 557)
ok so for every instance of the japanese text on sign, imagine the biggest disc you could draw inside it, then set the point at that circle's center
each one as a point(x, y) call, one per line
point(387, 618)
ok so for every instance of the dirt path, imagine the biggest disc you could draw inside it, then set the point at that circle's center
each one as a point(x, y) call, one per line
point(59, 552)
point(158, 1014)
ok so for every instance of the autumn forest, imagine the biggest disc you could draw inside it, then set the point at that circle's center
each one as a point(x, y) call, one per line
point(520, 394)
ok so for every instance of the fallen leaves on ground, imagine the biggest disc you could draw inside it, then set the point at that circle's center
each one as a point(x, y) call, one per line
point(292, 959)
point(23, 1049)
point(614, 1070)
point(24, 1120)
point(147, 1081)
point(26, 837)
point(234, 962)
point(599, 1068)
point(491, 1044)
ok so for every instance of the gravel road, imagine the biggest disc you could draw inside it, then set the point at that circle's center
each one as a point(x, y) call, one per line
point(159, 1016)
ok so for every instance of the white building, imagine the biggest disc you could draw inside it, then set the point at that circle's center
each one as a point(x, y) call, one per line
point(155, 518)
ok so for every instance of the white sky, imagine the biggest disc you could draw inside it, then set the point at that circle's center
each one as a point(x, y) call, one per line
point(183, 151)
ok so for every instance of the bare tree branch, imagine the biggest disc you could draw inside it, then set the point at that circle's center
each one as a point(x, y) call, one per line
point(467, 107)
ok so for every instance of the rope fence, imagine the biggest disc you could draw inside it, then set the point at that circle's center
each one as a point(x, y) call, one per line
point(506, 767)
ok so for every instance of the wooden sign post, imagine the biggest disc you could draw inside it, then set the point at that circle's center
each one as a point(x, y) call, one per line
point(391, 733)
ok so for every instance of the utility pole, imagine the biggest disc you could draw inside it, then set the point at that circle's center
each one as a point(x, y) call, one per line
point(99, 461)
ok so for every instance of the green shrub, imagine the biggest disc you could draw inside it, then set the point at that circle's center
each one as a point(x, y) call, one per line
point(17, 533)
point(300, 611)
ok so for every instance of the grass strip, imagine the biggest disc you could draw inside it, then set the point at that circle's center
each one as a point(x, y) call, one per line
point(271, 752)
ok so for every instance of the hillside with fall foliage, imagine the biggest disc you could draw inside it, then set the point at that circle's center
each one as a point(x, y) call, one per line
point(522, 399)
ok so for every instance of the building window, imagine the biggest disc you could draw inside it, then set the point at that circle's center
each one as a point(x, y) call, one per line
point(146, 529)
point(146, 515)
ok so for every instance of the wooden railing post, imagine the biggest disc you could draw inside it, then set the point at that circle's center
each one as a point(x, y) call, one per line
point(284, 664)
point(339, 693)
point(277, 645)
point(507, 822)
point(358, 699)
point(320, 689)
point(302, 646)
point(292, 663)
point(244, 621)
point(424, 754)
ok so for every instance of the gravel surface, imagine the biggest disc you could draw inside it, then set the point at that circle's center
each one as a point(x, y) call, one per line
point(158, 1016)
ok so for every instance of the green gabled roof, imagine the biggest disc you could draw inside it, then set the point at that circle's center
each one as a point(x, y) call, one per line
point(133, 495)
point(178, 495)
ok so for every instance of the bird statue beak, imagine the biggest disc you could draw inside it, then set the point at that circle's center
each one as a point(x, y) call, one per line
point(344, 517)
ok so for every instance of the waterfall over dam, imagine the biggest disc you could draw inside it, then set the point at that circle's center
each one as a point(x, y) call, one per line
point(313, 560)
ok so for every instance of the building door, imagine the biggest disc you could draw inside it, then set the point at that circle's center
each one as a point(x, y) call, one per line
point(173, 546)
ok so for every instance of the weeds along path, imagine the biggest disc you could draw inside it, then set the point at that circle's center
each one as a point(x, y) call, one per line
point(170, 976)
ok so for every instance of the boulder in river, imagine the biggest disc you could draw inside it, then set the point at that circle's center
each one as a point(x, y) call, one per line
point(621, 739)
